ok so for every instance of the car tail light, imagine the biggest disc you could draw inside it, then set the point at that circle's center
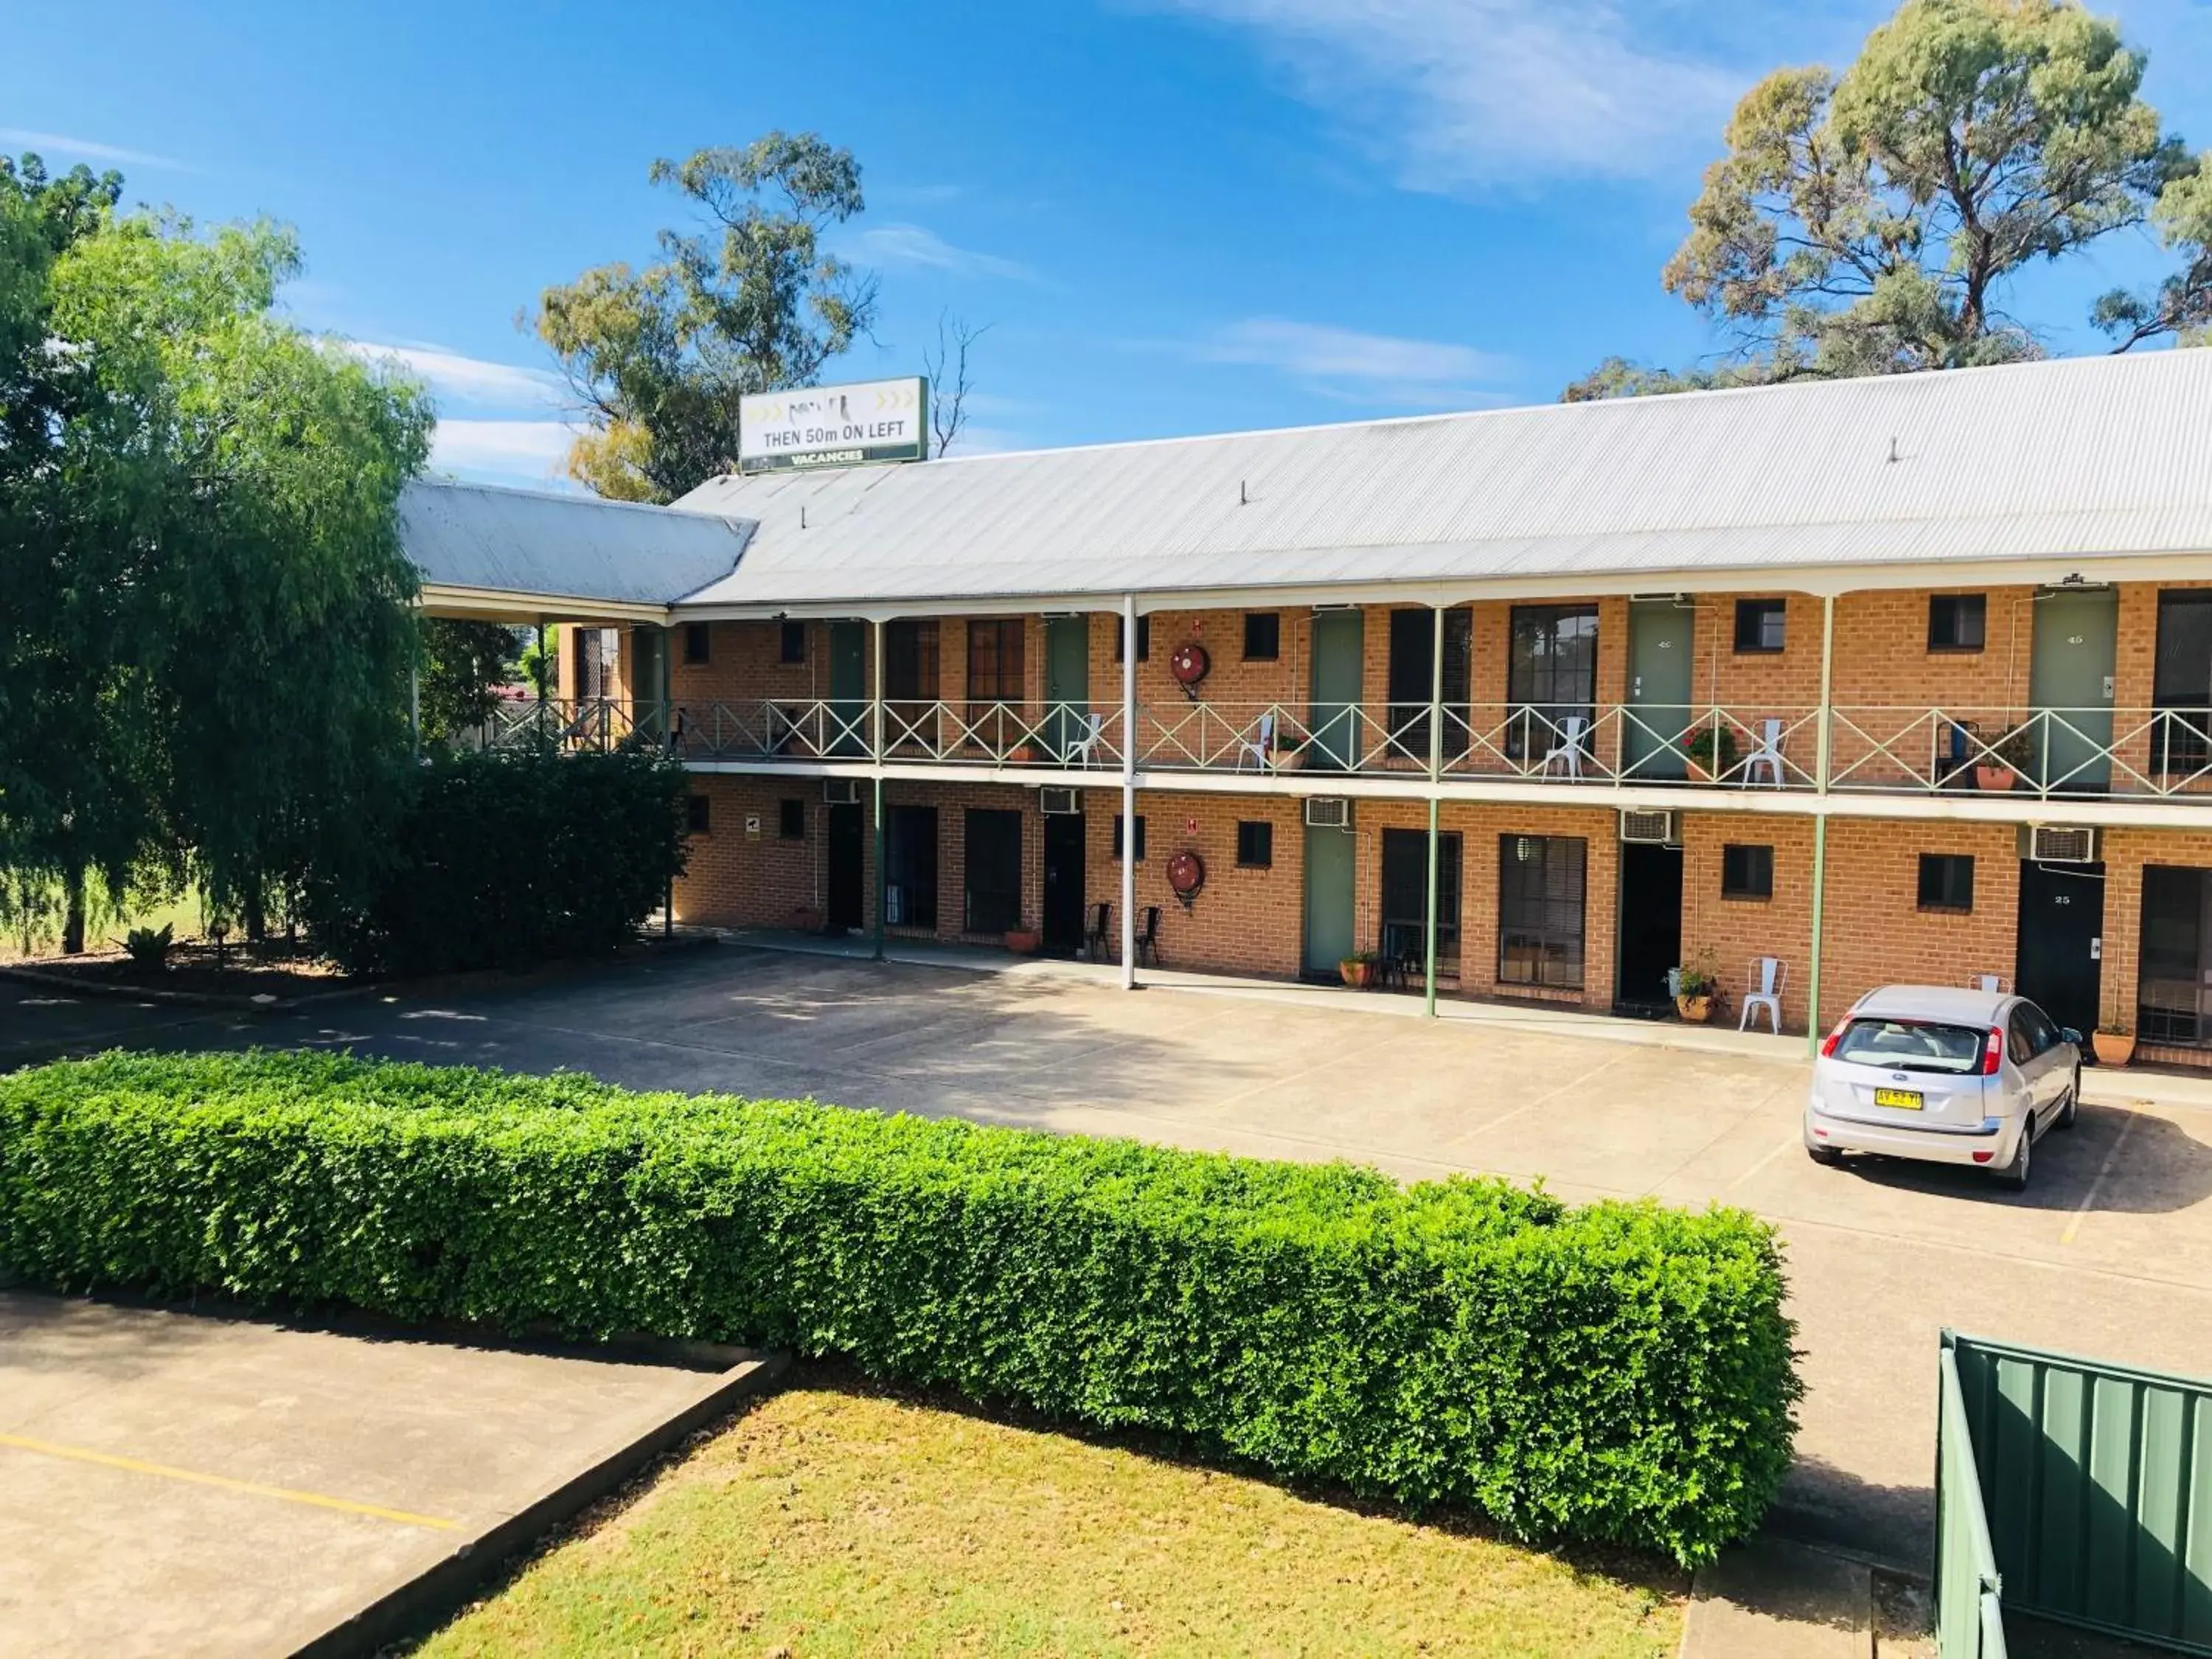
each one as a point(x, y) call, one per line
point(1993, 1051)
point(1984, 1157)
point(1828, 1042)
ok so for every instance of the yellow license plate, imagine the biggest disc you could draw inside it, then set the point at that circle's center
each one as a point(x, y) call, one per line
point(1903, 1100)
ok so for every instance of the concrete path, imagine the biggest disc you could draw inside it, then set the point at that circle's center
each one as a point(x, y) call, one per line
point(2110, 1253)
point(176, 1485)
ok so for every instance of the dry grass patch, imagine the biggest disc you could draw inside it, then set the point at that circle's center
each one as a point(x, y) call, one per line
point(840, 1521)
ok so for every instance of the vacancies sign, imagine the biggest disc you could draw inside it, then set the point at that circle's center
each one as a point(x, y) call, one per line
point(834, 425)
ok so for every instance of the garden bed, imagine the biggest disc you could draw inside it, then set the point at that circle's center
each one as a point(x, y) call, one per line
point(197, 970)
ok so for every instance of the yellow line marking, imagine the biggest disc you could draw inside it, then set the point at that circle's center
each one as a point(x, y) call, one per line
point(2097, 1186)
point(136, 1466)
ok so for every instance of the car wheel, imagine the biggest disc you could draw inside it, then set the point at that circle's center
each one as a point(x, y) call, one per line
point(2014, 1175)
point(2073, 1101)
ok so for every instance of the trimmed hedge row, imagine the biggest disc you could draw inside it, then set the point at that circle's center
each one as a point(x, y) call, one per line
point(1620, 1372)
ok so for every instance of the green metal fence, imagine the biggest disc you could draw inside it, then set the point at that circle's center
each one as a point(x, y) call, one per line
point(2072, 1490)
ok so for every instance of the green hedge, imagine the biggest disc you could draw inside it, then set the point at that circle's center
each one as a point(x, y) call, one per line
point(1620, 1372)
point(507, 859)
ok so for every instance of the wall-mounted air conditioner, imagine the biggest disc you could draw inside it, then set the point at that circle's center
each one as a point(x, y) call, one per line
point(1059, 803)
point(1649, 828)
point(841, 791)
point(2062, 844)
point(1328, 813)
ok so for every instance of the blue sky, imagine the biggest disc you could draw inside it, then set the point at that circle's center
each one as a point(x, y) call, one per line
point(1176, 215)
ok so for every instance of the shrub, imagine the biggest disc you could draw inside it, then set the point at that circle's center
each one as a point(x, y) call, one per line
point(1620, 1372)
point(150, 947)
point(501, 860)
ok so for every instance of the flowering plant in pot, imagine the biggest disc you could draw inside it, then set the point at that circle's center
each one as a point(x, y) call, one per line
point(1357, 970)
point(2114, 1039)
point(1695, 984)
point(1713, 753)
point(2005, 760)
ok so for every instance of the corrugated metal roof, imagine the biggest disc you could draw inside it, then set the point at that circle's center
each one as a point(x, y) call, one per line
point(535, 542)
point(2071, 458)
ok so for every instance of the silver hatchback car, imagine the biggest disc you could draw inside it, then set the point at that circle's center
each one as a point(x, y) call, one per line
point(1945, 1075)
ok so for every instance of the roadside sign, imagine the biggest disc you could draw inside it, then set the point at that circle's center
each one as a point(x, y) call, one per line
point(834, 425)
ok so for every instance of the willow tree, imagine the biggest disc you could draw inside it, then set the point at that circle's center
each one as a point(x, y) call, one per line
point(208, 633)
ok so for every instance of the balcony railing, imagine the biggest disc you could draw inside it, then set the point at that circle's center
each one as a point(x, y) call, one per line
point(2093, 753)
point(570, 723)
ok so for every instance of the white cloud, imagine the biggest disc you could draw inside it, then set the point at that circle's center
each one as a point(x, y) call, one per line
point(1370, 368)
point(914, 245)
point(86, 150)
point(471, 381)
point(529, 451)
point(1461, 92)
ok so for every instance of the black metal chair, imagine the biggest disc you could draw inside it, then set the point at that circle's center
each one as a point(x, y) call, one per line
point(1148, 937)
point(1095, 938)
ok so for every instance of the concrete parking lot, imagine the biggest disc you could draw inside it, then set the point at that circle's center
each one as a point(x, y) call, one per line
point(2110, 1252)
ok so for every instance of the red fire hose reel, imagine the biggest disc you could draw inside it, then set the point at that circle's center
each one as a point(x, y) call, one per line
point(1186, 875)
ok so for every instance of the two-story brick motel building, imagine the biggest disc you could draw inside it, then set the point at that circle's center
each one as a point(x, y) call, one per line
point(1906, 678)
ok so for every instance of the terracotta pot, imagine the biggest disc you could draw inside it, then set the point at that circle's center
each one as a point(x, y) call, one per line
point(1996, 779)
point(2113, 1047)
point(1357, 974)
point(1024, 941)
point(1022, 754)
point(1695, 1010)
point(807, 919)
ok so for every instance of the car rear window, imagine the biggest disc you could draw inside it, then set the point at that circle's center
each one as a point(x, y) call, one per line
point(1912, 1045)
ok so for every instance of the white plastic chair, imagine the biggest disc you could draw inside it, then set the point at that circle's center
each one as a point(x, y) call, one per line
point(1768, 754)
point(1080, 751)
point(1568, 750)
point(1767, 975)
point(1259, 748)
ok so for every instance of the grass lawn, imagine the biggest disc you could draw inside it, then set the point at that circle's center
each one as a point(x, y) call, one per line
point(839, 1519)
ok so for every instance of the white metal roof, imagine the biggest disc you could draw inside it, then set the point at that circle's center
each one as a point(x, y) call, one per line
point(540, 543)
point(2074, 458)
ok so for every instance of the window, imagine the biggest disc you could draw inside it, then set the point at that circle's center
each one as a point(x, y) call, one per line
point(1947, 881)
point(697, 814)
point(1759, 624)
point(2181, 683)
point(994, 660)
point(598, 662)
point(2173, 998)
point(1144, 639)
point(698, 642)
point(909, 681)
point(1747, 872)
point(1255, 844)
point(791, 820)
point(1411, 680)
point(1551, 677)
point(1263, 636)
point(1140, 836)
point(791, 643)
point(910, 866)
point(1957, 622)
point(1405, 898)
point(1541, 884)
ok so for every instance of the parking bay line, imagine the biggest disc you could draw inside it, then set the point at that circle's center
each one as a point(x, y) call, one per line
point(255, 1488)
point(2073, 1225)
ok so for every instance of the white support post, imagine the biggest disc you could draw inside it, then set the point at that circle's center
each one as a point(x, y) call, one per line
point(1129, 792)
point(1436, 786)
point(876, 749)
point(1820, 765)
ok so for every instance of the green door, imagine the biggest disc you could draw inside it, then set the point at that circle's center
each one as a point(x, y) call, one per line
point(1659, 670)
point(1334, 704)
point(1067, 683)
point(1329, 878)
point(848, 689)
point(2070, 685)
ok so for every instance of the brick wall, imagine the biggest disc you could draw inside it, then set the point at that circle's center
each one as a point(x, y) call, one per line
point(1736, 930)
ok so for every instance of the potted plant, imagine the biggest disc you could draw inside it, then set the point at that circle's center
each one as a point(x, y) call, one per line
point(1713, 753)
point(1357, 970)
point(1024, 753)
point(2000, 765)
point(1695, 984)
point(2114, 1039)
point(806, 918)
point(1025, 941)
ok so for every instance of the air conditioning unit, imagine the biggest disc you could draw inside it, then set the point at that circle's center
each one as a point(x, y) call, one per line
point(1328, 813)
point(841, 791)
point(894, 906)
point(1649, 828)
point(2059, 843)
point(1057, 803)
